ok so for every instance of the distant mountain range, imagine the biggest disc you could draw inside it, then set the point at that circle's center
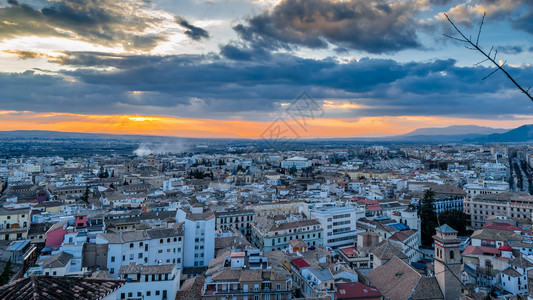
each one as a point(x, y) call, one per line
point(456, 130)
point(450, 134)
point(521, 134)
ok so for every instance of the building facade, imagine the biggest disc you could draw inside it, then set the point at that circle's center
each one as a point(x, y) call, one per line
point(158, 246)
point(339, 224)
point(513, 205)
point(268, 235)
point(199, 226)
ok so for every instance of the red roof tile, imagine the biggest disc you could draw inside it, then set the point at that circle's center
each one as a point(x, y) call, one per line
point(481, 250)
point(300, 263)
point(351, 290)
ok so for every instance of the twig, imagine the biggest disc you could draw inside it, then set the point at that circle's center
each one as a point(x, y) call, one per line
point(492, 60)
point(480, 26)
point(480, 62)
point(490, 74)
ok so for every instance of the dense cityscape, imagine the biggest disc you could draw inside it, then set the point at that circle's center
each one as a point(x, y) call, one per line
point(266, 149)
point(220, 219)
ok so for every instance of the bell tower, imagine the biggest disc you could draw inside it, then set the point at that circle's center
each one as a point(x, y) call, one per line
point(447, 252)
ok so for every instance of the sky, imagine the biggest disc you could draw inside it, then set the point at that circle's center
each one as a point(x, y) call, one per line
point(243, 69)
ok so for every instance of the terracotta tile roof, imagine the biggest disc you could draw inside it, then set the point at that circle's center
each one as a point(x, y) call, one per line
point(511, 272)
point(356, 290)
point(373, 207)
point(191, 289)
point(387, 250)
point(300, 263)
point(58, 260)
point(481, 250)
point(251, 275)
point(427, 288)
point(403, 235)
point(349, 252)
point(60, 288)
point(398, 280)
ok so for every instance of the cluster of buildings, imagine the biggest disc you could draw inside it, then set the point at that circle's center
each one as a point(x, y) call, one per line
point(313, 224)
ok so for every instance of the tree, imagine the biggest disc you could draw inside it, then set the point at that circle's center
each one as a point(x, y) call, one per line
point(456, 219)
point(85, 196)
point(6, 273)
point(428, 217)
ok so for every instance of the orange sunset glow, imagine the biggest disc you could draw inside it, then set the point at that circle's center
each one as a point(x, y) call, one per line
point(181, 127)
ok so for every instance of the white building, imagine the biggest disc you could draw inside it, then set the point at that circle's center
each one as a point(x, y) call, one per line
point(149, 282)
point(483, 187)
point(496, 171)
point(339, 223)
point(296, 162)
point(158, 246)
point(199, 226)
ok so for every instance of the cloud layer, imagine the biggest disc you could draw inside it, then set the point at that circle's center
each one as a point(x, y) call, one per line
point(212, 86)
point(372, 26)
point(130, 24)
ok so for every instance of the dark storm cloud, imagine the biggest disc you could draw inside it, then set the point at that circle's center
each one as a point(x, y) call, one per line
point(525, 22)
point(440, 2)
point(220, 86)
point(373, 26)
point(195, 33)
point(510, 49)
point(243, 52)
point(106, 22)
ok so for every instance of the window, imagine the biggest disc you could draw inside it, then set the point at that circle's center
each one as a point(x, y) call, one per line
point(112, 271)
point(452, 254)
point(112, 259)
point(131, 245)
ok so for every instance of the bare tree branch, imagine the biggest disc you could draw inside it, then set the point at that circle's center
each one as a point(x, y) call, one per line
point(476, 47)
point(480, 26)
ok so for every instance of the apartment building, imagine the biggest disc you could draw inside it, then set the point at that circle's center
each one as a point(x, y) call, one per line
point(239, 219)
point(513, 205)
point(246, 275)
point(338, 222)
point(14, 224)
point(149, 282)
point(269, 235)
point(276, 208)
point(482, 187)
point(199, 226)
point(158, 246)
point(448, 197)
